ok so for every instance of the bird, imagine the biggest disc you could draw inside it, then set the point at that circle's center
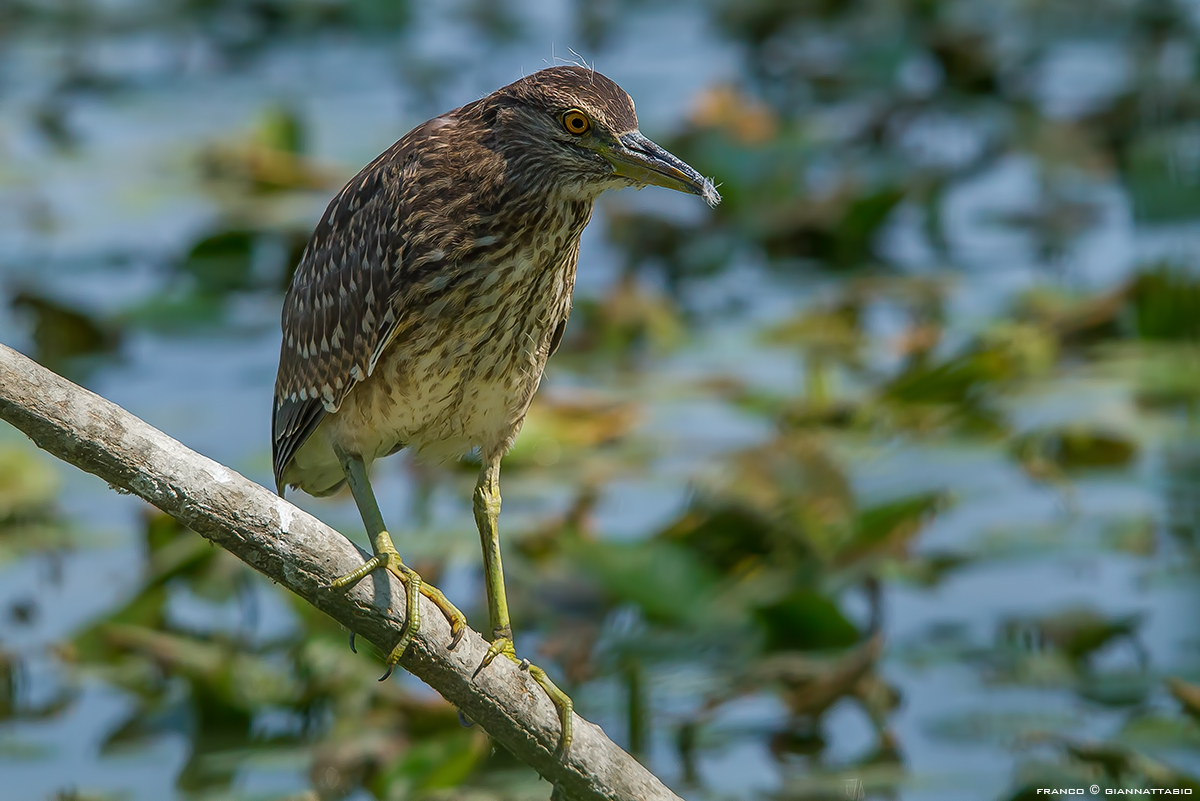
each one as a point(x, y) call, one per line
point(431, 294)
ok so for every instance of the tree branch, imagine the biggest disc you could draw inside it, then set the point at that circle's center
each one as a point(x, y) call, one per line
point(300, 552)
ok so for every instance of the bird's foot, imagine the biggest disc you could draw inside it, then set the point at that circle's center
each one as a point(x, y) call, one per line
point(502, 643)
point(388, 558)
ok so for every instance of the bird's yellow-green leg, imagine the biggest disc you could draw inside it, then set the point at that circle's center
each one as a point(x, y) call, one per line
point(388, 558)
point(487, 514)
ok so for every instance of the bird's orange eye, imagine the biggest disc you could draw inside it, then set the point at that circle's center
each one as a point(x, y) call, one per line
point(576, 122)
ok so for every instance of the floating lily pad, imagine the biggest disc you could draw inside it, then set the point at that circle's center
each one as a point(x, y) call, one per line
point(668, 583)
point(805, 620)
point(222, 262)
point(1075, 448)
point(1077, 633)
point(62, 333)
point(1166, 303)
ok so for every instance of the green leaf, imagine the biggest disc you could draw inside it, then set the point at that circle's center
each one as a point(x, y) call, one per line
point(62, 332)
point(1166, 303)
point(221, 262)
point(805, 620)
point(668, 583)
point(28, 485)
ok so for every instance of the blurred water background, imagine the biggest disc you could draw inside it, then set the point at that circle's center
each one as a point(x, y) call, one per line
point(882, 477)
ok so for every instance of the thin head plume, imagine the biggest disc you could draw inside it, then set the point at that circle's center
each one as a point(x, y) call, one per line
point(581, 62)
point(576, 60)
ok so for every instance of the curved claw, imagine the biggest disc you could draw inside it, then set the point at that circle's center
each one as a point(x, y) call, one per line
point(562, 702)
point(414, 587)
point(412, 621)
point(388, 559)
point(456, 635)
point(387, 674)
point(458, 621)
point(500, 645)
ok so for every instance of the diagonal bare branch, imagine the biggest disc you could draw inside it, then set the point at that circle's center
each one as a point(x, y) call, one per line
point(300, 552)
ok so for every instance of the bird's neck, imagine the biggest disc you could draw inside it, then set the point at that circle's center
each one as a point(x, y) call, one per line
point(555, 219)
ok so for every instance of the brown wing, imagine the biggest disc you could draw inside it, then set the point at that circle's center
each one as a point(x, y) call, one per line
point(340, 308)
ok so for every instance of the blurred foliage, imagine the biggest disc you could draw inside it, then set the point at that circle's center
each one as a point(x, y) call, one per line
point(62, 335)
point(1076, 634)
point(269, 158)
point(1112, 766)
point(30, 521)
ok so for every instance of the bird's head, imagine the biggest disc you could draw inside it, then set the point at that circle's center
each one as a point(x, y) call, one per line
point(574, 130)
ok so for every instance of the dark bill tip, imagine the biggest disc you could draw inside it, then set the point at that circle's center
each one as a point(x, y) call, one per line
point(643, 162)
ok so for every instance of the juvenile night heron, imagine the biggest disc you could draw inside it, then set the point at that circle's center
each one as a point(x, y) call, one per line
point(433, 291)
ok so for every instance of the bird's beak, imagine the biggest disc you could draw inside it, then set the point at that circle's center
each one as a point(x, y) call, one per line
point(637, 158)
